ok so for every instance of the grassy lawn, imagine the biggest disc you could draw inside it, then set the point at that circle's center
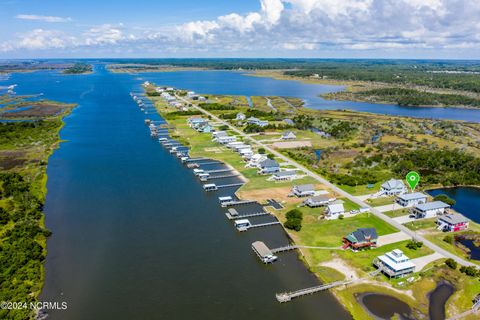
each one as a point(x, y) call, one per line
point(382, 201)
point(421, 224)
point(349, 204)
point(361, 190)
point(396, 213)
point(329, 233)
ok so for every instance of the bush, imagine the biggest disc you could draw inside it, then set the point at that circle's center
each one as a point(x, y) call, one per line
point(294, 220)
point(448, 239)
point(270, 156)
point(261, 150)
point(414, 245)
point(444, 198)
point(469, 271)
point(452, 264)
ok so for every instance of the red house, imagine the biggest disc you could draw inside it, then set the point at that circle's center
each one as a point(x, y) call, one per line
point(452, 222)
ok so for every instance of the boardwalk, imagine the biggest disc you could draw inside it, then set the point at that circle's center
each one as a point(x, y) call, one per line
point(287, 296)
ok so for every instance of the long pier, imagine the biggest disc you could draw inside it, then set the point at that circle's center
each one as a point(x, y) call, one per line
point(231, 185)
point(236, 203)
point(223, 176)
point(217, 171)
point(260, 225)
point(243, 216)
point(287, 296)
point(197, 159)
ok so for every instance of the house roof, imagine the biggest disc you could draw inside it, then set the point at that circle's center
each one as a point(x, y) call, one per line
point(288, 133)
point(396, 260)
point(412, 196)
point(453, 218)
point(320, 198)
point(393, 184)
point(305, 187)
point(336, 208)
point(285, 173)
point(363, 235)
point(269, 163)
point(432, 206)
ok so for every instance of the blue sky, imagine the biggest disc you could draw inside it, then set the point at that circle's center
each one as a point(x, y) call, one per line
point(240, 28)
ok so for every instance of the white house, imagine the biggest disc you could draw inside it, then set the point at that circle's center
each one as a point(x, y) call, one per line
point(226, 139)
point(218, 134)
point(258, 122)
point(319, 201)
point(255, 160)
point(304, 190)
point(240, 116)
point(268, 166)
point(288, 135)
point(429, 209)
point(393, 187)
point(394, 264)
point(411, 199)
point(285, 175)
point(334, 211)
point(246, 153)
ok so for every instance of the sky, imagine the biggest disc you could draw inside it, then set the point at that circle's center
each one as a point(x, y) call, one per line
point(427, 29)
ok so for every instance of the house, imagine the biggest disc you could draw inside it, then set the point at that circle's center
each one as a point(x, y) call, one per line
point(246, 153)
point(226, 139)
point(258, 122)
point(304, 190)
point(393, 187)
point(289, 122)
point(394, 264)
point(284, 175)
point(361, 238)
point(255, 160)
point(190, 94)
point(288, 135)
point(240, 116)
point(232, 145)
point(206, 128)
point(452, 222)
point(268, 166)
point(318, 201)
point(334, 211)
point(195, 121)
point(218, 134)
point(429, 209)
point(411, 199)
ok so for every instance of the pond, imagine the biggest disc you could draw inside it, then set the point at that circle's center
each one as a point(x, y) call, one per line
point(467, 198)
point(438, 298)
point(383, 306)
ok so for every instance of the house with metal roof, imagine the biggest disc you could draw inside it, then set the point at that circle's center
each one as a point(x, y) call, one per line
point(429, 209)
point(334, 211)
point(411, 199)
point(393, 187)
point(258, 122)
point(361, 238)
point(452, 222)
point(304, 190)
point(319, 201)
point(240, 116)
point(394, 264)
point(268, 166)
point(285, 175)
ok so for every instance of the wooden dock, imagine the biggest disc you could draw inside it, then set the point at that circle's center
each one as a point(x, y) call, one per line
point(261, 225)
point(197, 159)
point(288, 296)
point(237, 202)
point(223, 176)
point(243, 216)
point(231, 185)
point(218, 171)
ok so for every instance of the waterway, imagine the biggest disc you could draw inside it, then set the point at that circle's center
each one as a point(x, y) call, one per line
point(134, 234)
point(467, 200)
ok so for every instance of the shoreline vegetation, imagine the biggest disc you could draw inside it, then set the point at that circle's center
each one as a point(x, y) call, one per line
point(345, 139)
point(413, 83)
point(25, 147)
point(79, 68)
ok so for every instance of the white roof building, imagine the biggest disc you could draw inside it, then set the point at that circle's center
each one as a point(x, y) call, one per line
point(393, 187)
point(395, 264)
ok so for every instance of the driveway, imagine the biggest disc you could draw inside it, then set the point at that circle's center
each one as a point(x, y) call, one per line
point(392, 238)
point(390, 207)
point(421, 262)
point(404, 219)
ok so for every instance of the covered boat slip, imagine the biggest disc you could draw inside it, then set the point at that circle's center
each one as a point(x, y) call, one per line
point(263, 252)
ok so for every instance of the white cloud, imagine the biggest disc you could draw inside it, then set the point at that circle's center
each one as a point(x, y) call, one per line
point(291, 26)
point(42, 18)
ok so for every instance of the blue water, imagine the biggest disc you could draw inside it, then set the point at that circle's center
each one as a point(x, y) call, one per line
point(134, 234)
point(238, 83)
point(468, 200)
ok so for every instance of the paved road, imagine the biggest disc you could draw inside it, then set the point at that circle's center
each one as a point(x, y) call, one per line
point(339, 191)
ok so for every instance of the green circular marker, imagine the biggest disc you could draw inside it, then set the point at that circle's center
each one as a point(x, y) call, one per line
point(413, 178)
